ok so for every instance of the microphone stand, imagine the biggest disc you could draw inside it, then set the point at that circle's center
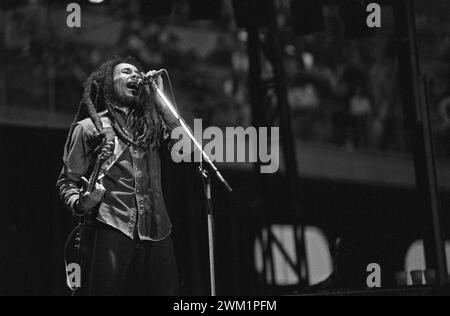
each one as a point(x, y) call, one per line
point(206, 181)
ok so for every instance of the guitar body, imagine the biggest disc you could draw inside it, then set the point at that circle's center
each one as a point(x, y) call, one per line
point(83, 247)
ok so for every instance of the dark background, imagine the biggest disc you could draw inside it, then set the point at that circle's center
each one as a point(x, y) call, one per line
point(383, 222)
point(349, 186)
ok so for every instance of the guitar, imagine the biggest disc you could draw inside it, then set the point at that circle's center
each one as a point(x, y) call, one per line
point(76, 241)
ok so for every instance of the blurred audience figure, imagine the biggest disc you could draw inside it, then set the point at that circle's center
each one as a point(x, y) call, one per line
point(360, 116)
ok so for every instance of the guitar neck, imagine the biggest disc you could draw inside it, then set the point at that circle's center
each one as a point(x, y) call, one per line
point(94, 176)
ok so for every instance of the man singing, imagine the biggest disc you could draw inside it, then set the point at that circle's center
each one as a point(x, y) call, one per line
point(130, 252)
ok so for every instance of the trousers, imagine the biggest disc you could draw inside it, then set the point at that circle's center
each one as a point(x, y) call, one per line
point(120, 266)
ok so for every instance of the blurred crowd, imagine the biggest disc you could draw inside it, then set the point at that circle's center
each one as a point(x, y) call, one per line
point(342, 92)
point(346, 91)
point(353, 101)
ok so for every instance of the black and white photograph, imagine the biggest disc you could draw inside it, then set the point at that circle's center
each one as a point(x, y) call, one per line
point(228, 155)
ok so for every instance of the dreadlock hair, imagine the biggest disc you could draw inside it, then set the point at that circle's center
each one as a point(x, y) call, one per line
point(144, 124)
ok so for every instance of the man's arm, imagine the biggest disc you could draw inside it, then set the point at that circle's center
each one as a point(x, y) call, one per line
point(72, 182)
point(169, 119)
point(169, 124)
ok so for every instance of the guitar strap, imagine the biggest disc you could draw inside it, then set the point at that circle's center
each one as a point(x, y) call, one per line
point(119, 148)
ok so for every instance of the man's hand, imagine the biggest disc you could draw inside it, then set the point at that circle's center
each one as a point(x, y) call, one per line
point(159, 81)
point(152, 92)
point(87, 200)
point(105, 149)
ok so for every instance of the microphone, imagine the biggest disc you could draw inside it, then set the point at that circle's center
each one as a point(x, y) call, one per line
point(152, 75)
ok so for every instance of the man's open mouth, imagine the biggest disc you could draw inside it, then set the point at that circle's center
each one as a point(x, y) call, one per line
point(133, 87)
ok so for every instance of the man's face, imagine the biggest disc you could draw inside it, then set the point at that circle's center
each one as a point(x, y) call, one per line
point(127, 84)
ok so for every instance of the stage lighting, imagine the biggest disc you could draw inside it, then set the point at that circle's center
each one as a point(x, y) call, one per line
point(353, 14)
point(252, 12)
point(205, 9)
point(156, 8)
point(93, 2)
point(307, 16)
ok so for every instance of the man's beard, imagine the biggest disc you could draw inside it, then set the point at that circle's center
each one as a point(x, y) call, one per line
point(126, 101)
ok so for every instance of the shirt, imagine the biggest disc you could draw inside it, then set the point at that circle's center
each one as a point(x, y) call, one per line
point(133, 198)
